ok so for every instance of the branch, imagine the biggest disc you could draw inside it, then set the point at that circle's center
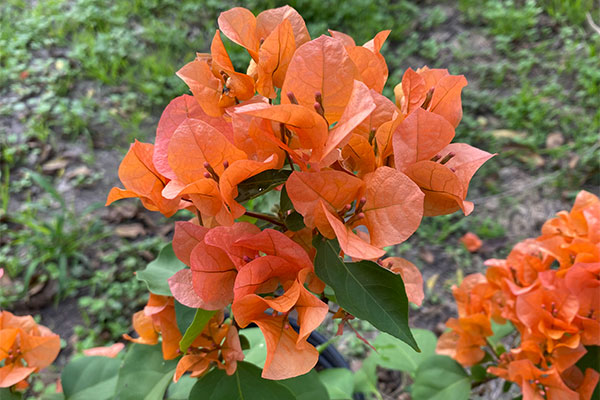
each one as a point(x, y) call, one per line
point(265, 217)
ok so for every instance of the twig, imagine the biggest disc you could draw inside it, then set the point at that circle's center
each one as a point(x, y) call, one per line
point(265, 217)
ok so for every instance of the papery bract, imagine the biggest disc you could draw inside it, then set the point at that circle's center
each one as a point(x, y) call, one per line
point(25, 348)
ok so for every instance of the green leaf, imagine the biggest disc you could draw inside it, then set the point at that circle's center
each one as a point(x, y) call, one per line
point(591, 359)
point(181, 390)
point(261, 184)
point(48, 187)
point(478, 373)
point(90, 378)
point(45, 396)
point(500, 331)
point(184, 316)
point(245, 384)
point(244, 342)
point(365, 379)
point(441, 378)
point(339, 383)
point(397, 355)
point(306, 387)
point(144, 374)
point(7, 394)
point(285, 204)
point(197, 326)
point(294, 222)
point(257, 350)
point(156, 273)
point(366, 290)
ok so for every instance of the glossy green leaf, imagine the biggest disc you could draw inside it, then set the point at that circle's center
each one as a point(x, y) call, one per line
point(339, 383)
point(196, 327)
point(441, 378)
point(257, 350)
point(90, 377)
point(261, 184)
point(294, 222)
point(397, 355)
point(306, 387)
point(184, 316)
point(285, 204)
point(144, 373)
point(156, 273)
point(366, 290)
point(245, 384)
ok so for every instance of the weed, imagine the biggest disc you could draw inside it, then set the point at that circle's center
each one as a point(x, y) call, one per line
point(573, 11)
point(113, 295)
point(41, 248)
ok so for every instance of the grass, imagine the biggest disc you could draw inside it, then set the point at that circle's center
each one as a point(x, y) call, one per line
point(97, 74)
point(45, 248)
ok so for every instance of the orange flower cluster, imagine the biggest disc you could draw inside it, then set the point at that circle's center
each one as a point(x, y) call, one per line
point(242, 265)
point(362, 169)
point(549, 289)
point(158, 317)
point(25, 348)
point(218, 343)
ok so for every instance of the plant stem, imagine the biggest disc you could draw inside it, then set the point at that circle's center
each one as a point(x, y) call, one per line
point(496, 356)
point(265, 217)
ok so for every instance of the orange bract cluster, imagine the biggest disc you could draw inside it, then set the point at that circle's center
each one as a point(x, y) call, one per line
point(242, 265)
point(362, 169)
point(218, 343)
point(549, 289)
point(25, 348)
point(158, 317)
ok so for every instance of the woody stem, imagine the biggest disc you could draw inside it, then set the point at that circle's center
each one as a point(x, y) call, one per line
point(289, 159)
point(265, 217)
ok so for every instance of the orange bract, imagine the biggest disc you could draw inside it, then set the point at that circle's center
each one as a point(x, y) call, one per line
point(471, 241)
point(321, 66)
point(141, 179)
point(25, 348)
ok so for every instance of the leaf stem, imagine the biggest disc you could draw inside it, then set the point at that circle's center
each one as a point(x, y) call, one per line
point(491, 347)
point(265, 217)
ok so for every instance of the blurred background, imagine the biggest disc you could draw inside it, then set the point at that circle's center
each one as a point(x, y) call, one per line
point(81, 79)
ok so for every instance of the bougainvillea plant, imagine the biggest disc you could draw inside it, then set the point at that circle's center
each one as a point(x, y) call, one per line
point(548, 288)
point(356, 172)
